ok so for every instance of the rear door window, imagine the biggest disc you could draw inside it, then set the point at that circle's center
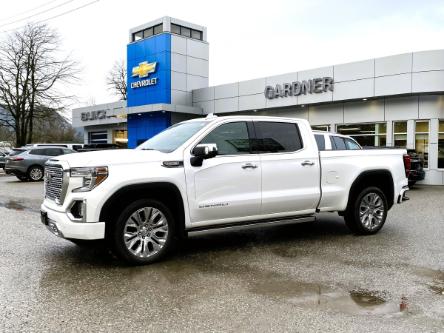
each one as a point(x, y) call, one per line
point(277, 137)
point(37, 152)
point(53, 152)
point(352, 145)
point(320, 140)
point(337, 143)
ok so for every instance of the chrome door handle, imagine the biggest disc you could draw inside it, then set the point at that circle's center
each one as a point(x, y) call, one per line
point(307, 162)
point(249, 165)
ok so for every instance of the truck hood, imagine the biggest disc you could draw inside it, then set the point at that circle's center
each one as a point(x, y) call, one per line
point(111, 157)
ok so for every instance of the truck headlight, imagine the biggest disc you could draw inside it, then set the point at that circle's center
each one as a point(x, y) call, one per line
point(92, 177)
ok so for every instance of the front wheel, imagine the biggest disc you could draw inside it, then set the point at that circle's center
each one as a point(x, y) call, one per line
point(143, 233)
point(367, 214)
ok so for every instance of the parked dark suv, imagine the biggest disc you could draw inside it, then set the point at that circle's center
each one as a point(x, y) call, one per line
point(417, 172)
point(29, 164)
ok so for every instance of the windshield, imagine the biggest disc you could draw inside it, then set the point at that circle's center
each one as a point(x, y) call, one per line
point(173, 137)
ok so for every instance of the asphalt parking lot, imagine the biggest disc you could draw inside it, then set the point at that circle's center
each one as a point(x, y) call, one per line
point(313, 277)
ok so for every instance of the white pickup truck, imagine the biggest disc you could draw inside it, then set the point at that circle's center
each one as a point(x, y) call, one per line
point(214, 173)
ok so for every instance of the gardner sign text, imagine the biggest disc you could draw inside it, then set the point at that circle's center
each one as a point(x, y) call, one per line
point(296, 88)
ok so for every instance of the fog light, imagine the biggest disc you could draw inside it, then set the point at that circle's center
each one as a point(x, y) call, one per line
point(77, 212)
point(53, 228)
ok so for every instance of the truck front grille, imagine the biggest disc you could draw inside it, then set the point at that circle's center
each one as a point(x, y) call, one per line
point(54, 183)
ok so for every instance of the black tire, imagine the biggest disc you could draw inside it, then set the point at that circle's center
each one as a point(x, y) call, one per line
point(22, 178)
point(412, 183)
point(352, 215)
point(116, 230)
point(35, 173)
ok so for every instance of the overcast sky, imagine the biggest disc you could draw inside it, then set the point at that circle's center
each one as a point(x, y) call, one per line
point(248, 39)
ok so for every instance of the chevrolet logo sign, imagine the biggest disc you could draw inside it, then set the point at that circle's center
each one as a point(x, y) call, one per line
point(144, 69)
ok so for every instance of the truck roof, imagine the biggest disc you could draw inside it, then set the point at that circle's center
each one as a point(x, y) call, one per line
point(213, 117)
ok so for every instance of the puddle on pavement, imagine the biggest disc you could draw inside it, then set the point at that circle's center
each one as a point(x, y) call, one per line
point(435, 277)
point(361, 302)
point(15, 205)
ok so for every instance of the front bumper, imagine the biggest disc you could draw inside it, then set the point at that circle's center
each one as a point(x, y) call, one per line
point(61, 225)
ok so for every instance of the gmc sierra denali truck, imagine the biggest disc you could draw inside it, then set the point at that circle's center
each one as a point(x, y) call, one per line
point(214, 173)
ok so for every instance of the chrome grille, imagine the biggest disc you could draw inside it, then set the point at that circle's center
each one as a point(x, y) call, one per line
point(54, 183)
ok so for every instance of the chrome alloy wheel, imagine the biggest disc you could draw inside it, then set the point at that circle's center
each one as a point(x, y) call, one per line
point(371, 211)
point(145, 232)
point(36, 174)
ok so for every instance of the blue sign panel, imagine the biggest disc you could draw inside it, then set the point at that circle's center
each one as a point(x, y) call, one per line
point(143, 126)
point(149, 71)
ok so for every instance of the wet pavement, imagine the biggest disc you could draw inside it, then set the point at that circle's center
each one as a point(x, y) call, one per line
point(308, 277)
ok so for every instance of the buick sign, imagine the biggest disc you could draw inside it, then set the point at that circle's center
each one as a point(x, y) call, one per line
point(93, 115)
point(296, 88)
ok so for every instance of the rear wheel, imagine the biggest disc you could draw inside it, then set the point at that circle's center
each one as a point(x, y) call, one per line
point(35, 173)
point(367, 214)
point(143, 233)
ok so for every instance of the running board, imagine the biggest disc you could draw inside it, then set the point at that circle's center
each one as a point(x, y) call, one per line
point(252, 224)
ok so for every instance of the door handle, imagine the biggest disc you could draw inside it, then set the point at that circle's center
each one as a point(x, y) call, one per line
point(249, 165)
point(307, 162)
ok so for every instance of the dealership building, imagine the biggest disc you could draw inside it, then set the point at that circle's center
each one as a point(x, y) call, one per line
point(396, 100)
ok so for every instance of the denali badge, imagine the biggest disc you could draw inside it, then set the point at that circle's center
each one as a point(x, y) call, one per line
point(221, 204)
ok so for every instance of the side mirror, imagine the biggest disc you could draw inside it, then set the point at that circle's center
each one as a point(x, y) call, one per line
point(202, 152)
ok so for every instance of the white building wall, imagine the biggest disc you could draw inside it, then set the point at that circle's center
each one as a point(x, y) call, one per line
point(189, 68)
point(403, 74)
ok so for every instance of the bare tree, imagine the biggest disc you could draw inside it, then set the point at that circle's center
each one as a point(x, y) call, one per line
point(116, 79)
point(55, 128)
point(32, 71)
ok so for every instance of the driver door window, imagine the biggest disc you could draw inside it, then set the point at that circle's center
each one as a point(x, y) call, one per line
point(231, 139)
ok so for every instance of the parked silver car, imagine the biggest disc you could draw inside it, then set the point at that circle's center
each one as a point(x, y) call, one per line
point(29, 164)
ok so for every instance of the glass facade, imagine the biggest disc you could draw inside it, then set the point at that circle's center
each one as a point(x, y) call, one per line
point(367, 135)
point(187, 32)
point(137, 36)
point(98, 137)
point(151, 31)
point(157, 29)
point(441, 145)
point(325, 128)
point(148, 32)
point(120, 138)
point(400, 134)
point(422, 140)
